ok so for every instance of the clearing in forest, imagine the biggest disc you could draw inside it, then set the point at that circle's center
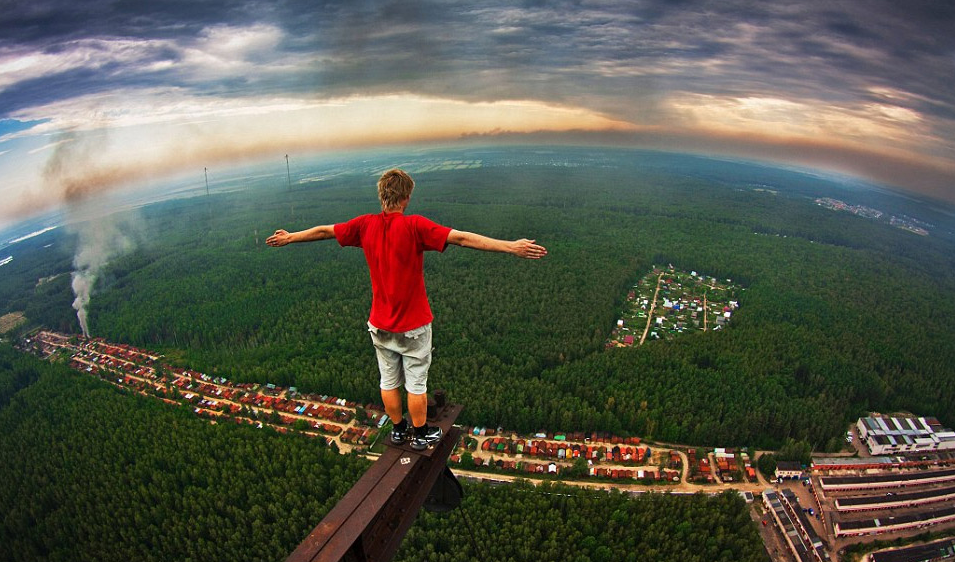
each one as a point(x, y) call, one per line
point(10, 321)
point(667, 302)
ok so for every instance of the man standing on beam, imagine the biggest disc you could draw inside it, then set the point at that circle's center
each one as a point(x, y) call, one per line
point(400, 319)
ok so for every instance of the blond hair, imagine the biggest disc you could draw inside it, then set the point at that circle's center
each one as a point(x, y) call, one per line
point(394, 187)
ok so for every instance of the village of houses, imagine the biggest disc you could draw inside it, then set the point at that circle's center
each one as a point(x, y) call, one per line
point(900, 482)
point(357, 427)
point(667, 302)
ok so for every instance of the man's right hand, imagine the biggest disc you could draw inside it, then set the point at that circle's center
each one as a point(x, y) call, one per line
point(525, 248)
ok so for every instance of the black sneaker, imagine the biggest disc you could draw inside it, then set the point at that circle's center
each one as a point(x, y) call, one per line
point(399, 434)
point(425, 437)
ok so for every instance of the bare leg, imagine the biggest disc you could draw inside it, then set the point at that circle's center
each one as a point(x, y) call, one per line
point(392, 400)
point(418, 408)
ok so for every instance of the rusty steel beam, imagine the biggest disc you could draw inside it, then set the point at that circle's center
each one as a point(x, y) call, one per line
point(369, 522)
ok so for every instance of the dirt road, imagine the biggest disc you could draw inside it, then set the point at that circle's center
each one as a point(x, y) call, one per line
point(652, 307)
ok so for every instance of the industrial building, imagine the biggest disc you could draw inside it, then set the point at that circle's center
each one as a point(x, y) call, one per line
point(890, 435)
point(800, 536)
point(898, 523)
point(887, 480)
point(940, 550)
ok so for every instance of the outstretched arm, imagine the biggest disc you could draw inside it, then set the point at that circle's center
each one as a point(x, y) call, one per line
point(283, 237)
point(523, 248)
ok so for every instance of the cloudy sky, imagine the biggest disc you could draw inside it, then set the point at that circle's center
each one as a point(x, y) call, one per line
point(98, 94)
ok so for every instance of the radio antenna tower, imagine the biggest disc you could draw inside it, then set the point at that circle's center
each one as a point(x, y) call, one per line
point(288, 171)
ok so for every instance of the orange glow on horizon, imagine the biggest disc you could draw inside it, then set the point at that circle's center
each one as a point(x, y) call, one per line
point(126, 144)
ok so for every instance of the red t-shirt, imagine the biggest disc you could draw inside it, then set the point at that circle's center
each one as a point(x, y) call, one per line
point(394, 245)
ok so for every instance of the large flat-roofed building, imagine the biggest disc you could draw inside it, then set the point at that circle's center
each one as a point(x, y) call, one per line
point(888, 435)
point(798, 532)
point(857, 464)
point(940, 550)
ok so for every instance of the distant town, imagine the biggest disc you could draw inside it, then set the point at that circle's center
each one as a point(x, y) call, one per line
point(897, 482)
point(905, 223)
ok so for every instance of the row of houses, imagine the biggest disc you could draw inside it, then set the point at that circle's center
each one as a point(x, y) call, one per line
point(206, 406)
point(208, 394)
point(207, 389)
point(731, 465)
point(700, 470)
point(107, 362)
point(260, 424)
point(578, 436)
point(561, 450)
point(270, 397)
point(321, 427)
point(205, 398)
point(125, 358)
point(530, 467)
point(359, 435)
point(319, 410)
point(197, 376)
point(210, 408)
point(123, 351)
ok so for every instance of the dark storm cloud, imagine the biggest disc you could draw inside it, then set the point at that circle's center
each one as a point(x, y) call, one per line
point(44, 23)
point(605, 51)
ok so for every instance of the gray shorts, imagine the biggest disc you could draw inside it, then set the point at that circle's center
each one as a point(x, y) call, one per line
point(403, 357)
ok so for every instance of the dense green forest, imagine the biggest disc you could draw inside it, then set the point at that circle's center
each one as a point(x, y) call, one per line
point(566, 524)
point(38, 281)
point(839, 315)
point(92, 472)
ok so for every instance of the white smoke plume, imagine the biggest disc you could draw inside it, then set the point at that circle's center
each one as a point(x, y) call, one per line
point(98, 241)
point(102, 234)
point(82, 286)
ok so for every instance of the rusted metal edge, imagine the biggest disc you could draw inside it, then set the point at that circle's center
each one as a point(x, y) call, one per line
point(394, 521)
point(352, 506)
point(371, 519)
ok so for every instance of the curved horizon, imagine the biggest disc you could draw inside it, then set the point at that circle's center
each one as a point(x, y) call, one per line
point(96, 98)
